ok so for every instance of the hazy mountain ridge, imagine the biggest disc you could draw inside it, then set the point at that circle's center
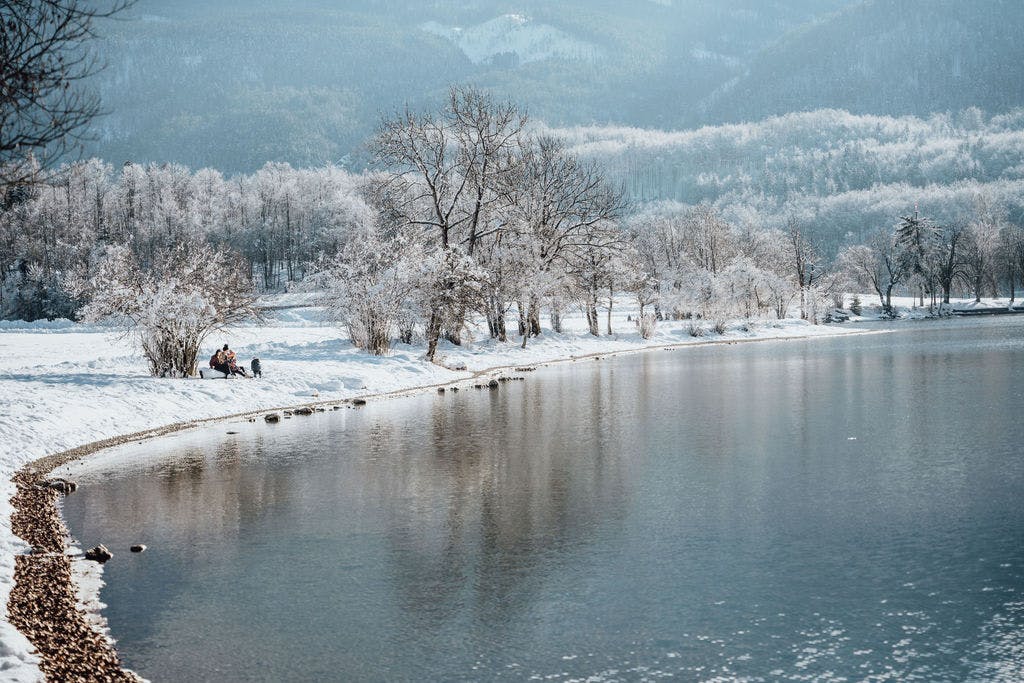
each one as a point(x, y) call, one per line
point(235, 84)
point(887, 57)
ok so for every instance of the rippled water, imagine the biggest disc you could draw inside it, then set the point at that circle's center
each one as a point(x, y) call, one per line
point(840, 509)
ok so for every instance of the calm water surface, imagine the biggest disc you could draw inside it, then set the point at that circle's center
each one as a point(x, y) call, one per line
point(842, 509)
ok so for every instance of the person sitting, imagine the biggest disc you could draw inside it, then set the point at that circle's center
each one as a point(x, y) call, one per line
point(232, 362)
point(219, 362)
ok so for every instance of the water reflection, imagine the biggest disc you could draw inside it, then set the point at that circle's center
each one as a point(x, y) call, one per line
point(787, 511)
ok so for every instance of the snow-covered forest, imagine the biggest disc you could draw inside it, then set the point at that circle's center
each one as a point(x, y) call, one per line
point(473, 211)
point(841, 175)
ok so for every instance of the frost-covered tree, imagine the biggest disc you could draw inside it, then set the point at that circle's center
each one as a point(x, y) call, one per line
point(631, 277)
point(449, 172)
point(368, 286)
point(564, 216)
point(949, 258)
point(981, 252)
point(1012, 239)
point(450, 283)
point(173, 306)
point(920, 242)
point(878, 265)
point(807, 268)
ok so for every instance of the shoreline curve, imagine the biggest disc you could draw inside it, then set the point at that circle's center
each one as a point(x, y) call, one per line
point(43, 600)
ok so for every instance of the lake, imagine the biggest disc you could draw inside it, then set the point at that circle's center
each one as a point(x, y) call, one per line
point(830, 509)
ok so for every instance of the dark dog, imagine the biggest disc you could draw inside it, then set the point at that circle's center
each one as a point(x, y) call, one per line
point(256, 368)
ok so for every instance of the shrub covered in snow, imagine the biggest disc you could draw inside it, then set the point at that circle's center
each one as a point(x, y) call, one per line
point(367, 289)
point(187, 293)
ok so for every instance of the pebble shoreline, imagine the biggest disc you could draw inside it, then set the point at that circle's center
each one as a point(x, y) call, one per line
point(43, 603)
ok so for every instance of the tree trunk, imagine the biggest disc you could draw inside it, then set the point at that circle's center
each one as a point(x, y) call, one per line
point(502, 330)
point(433, 334)
point(492, 325)
point(593, 321)
point(454, 333)
point(522, 319)
point(556, 319)
point(533, 318)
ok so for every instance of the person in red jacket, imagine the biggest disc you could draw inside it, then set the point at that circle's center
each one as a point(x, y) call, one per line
point(232, 362)
point(219, 361)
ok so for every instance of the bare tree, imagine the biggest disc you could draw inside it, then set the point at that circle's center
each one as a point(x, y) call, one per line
point(449, 169)
point(981, 253)
point(1013, 256)
point(878, 264)
point(920, 242)
point(807, 266)
point(45, 57)
point(949, 266)
point(564, 212)
point(708, 239)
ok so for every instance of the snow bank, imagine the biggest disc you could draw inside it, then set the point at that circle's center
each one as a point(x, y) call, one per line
point(64, 385)
point(908, 307)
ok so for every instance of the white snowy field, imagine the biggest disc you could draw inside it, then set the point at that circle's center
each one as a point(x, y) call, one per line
point(64, 385)
point(910, 307)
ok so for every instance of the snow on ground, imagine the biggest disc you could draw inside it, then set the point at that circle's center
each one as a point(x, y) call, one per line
point(63, 385)
point(910, 307)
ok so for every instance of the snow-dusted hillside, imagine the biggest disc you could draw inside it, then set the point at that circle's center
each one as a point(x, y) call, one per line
point(517, 35)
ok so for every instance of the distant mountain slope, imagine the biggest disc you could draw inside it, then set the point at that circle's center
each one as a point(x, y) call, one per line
point(513, 39)
point(887, 57)
point(840, 175)
point(235, 83)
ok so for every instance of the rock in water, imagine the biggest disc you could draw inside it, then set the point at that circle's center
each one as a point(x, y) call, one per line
point(493, 384)
point(272, 417)
point(62, 485)
point(98, 554)
point(303, 411)
point(138, 548)
point(359, 401)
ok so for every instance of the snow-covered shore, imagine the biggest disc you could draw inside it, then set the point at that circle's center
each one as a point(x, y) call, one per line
point(63, 385)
